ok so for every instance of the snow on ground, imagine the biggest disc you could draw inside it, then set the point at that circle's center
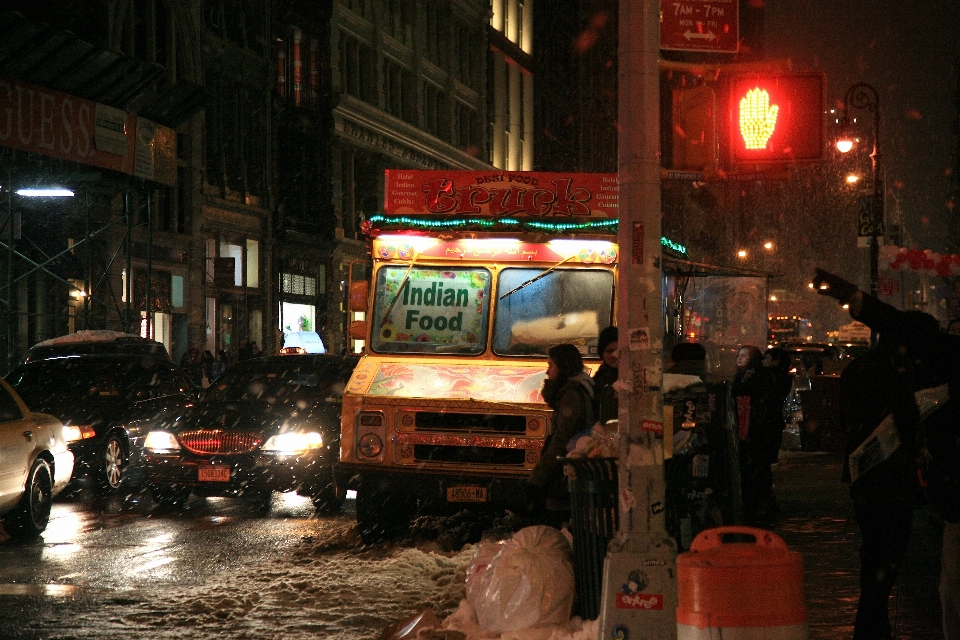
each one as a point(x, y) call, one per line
point(331, 589)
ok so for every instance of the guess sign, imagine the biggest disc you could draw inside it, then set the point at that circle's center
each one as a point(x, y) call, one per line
point(649, 601)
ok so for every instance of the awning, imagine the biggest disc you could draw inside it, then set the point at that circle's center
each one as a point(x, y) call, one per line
point(37, 53)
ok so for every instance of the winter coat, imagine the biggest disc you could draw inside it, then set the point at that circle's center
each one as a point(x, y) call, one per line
point(935, 357)
point(572, 402)
point(749, 388)
point(605, 401)
point(766, 427)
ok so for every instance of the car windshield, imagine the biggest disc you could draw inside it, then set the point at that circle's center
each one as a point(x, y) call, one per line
point(278, 384)
point(75, 379)
point(430, 310)
point(538, 308)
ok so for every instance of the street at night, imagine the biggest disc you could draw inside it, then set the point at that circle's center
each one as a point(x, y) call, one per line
point(479, 319)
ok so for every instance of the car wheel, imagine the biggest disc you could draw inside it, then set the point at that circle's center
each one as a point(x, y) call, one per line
point(31, 515)
point(382, 515)
point(170, 496)
point(113, 464)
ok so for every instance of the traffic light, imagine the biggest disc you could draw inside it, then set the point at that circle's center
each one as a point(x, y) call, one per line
point(777, 118)
point(694, 129)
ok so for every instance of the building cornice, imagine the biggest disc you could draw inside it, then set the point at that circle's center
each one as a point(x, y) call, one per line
point(366, 126)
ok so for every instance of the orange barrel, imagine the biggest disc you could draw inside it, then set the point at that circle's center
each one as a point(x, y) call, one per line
point(740, 590)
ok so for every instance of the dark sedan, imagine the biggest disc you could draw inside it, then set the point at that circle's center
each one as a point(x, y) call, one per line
point(268, 424)
point(110, 401)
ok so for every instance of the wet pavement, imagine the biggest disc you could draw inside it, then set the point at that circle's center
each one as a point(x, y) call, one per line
point(816, 520)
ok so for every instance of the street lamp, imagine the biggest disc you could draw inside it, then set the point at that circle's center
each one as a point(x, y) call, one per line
point(871, 223)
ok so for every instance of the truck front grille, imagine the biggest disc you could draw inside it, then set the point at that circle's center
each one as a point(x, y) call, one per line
point(469, 455)
point(471, 422)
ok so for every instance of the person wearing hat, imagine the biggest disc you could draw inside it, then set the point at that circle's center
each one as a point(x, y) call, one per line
point(608, 348)
point(568, 390)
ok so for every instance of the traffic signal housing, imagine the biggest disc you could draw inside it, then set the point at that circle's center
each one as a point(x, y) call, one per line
point(777, 118)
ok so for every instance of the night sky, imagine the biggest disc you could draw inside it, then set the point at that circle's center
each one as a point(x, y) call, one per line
point(910, 53)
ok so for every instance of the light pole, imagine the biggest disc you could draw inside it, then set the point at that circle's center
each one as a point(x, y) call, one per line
point(871, 222)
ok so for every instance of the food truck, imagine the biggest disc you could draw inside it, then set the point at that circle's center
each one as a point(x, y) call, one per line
point(475, 275)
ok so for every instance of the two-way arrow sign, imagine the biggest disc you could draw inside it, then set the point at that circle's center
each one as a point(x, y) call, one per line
point(690, 35)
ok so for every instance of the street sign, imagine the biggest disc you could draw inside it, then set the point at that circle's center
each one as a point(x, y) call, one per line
point(869, 217)
point(700, 25)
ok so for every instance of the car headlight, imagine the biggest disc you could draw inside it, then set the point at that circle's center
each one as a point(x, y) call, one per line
point(293, 442)
point(161, 441)
point(72, 433)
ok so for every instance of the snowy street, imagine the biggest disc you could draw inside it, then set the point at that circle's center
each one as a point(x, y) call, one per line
point(213, 570)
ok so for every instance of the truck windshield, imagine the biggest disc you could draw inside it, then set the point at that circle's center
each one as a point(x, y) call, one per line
point(430, 310)
point(565, 305)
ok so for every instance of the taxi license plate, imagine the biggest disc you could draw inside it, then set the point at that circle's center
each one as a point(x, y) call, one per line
point(213, 473)
point(466, 494)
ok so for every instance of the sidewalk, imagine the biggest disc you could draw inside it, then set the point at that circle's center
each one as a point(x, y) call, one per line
point(816, 520)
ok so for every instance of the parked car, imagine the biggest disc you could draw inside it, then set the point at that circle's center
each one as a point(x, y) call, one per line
point(301, 342)
point(35, 464)
point(112, 400)
point(267, 424)
point(811, 408)
point(95, 341)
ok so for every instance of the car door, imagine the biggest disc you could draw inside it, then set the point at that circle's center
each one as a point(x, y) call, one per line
point(16, 449)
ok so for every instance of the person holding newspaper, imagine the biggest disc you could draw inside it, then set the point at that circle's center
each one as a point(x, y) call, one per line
point(881, 419)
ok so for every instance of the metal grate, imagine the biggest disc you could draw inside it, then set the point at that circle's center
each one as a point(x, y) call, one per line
point(218, 441)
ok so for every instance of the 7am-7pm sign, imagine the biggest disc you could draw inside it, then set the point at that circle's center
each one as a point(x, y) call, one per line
point(501, 194)
point(700, 25)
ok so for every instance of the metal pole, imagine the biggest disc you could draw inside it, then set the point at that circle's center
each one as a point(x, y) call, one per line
point(12, 305)
point(128, 283)
point(642, 541)
point(864, 96)
point(148, 305)
point(878, 209)
point(88, 265)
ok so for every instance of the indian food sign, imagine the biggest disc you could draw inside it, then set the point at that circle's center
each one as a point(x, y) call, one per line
point(497, 194)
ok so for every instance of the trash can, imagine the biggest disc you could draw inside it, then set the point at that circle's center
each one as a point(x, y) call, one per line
point(740, 590)
point(594, 515)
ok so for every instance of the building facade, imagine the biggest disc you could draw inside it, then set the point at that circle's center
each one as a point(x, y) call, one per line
point(268, 124)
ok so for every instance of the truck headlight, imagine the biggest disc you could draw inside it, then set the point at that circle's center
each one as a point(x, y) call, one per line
point(293, 442)
point(161, 441)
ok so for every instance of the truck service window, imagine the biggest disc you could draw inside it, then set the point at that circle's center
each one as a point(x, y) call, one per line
point(430, 310)
point(536, 310)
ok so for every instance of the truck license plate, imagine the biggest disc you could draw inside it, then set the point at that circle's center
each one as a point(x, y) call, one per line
point(213, 473)
point(466, 494)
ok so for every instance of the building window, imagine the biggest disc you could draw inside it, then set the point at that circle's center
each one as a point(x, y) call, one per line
point(434, 27)
point(465, 128)
point(236, 139)
point(398, 99)
point(397, 20)
point(355, 76)
point(434, 106)
point(253, 264)
point(468, 59)
point(246, 261)
point(359, 7)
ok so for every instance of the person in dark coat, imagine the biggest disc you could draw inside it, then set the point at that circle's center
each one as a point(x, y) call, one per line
point(688, 358)
point(608, 347)
point(878, 384)
point(568, 390)
point(766, 430)
point(749, 389)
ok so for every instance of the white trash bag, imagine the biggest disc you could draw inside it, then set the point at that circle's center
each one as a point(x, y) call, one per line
point(522, 582)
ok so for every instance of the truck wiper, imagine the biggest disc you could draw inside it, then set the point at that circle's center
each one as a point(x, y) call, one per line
point(534, 278)
point(403, 283)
